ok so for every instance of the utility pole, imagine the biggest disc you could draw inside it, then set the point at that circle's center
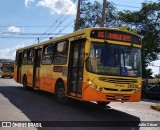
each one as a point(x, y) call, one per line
point(103, 13)
point(78, 16)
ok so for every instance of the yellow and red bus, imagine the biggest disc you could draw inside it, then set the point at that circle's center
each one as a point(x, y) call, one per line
point(7, 70)
point(94, 64)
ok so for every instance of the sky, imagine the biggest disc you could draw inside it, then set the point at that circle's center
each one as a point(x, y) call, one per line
point(21, 18)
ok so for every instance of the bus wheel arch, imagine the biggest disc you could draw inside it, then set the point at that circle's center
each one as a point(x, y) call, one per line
point(60, 91)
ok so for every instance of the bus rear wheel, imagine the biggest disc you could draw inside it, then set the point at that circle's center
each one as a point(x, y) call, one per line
point(60, 93)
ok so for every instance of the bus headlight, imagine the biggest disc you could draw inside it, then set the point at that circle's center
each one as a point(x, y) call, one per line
point(90, 83)
point(100, 89)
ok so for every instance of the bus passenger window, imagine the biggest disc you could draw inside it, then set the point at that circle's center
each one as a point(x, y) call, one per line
point(48, 54)
point(61, 52)
point(24, 60)
point(30, 56)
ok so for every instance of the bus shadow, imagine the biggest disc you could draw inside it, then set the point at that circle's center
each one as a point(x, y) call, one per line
point(41, 106)
point(153, 100)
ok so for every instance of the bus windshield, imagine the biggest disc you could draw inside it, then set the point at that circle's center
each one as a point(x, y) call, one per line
point(109, 59)
point(8, 69)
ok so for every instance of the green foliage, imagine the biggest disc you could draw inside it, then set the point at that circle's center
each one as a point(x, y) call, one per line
point(127, 28)
point(157, 76)
point(91, 15)
point(147, 23)
point(147, 73)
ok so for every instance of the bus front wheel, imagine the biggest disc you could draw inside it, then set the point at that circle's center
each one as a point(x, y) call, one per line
point(60, 93)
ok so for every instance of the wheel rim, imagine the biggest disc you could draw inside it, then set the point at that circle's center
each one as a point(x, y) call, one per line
point(60, 92)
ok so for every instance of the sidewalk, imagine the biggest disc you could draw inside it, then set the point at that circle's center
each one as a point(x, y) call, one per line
point(155, 105)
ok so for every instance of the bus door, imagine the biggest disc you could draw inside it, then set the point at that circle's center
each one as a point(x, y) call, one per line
point(36, 68)
point(19, 66)
point(75, 75)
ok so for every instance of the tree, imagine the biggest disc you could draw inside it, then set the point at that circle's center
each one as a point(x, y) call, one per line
point(91, 14)
point(111, 16)
point(157, 75)
point(147, 23)
point(148, 74)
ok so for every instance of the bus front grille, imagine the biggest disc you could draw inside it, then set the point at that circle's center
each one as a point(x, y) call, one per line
point(127, 90)
point(118, 80)
point(113, 97)
point(122, 90)
point(111, 89)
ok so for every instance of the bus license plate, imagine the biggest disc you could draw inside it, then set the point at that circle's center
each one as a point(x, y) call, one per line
point(118, 97)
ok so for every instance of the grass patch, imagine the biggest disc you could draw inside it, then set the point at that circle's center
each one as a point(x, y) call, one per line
point(156, 107)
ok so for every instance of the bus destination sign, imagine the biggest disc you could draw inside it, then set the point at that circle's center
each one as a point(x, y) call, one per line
point(115, 35)
point(119, 37)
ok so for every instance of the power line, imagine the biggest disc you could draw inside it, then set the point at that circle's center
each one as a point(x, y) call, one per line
point(64, 19)
point(61, 18)
point(27, 26)
point(68, 24)
point(15, 33)
point(22, 37)
point(129, 2)
point(126, 6)
point(26, 35)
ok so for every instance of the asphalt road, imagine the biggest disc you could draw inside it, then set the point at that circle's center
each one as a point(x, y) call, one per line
point(18, 104)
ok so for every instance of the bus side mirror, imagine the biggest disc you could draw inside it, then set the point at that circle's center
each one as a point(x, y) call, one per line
point(87, 49)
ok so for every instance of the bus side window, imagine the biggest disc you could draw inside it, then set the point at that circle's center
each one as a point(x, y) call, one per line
point(30, 55)
point(60, 53)
point(47, 54)
point(24, 60)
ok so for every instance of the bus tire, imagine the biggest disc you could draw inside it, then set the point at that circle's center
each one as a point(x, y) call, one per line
point(25, 82)
point(60, 93)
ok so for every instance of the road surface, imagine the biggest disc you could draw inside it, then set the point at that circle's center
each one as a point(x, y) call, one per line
point(18, 104)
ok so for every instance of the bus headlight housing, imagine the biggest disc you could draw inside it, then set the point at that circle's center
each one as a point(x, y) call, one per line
point(95, 86)
point(100, 89)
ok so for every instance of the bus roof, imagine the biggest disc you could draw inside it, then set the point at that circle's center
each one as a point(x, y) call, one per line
point(79, 32)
